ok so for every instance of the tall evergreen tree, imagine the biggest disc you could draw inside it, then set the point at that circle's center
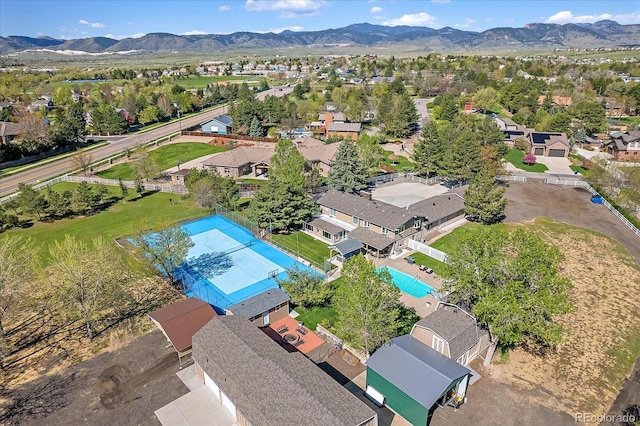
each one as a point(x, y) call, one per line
point(462, 159)
point(282, 203)
point(484, 200)
point(348, 172)
point(255, 129)
point(428, 152)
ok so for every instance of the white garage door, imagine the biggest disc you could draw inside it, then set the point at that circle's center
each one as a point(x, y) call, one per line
point(212, 385)
point(228, 404)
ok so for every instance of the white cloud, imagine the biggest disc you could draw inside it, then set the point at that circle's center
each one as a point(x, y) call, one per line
point(291, 28)
point(566, 16)
point(93, 25)
point(287, 8)
point(467, 23)
point(421, 18)
point(120, 37)
point(224, 7)
point(440, 1)
point(194, 32)
point(375, 9)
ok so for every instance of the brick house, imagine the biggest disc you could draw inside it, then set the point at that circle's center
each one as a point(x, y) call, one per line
point(624, 146)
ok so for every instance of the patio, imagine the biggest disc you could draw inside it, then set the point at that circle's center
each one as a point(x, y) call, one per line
point(293, 336)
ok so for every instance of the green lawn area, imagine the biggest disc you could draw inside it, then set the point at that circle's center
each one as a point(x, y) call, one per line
point(166, 156)
point(400, 164)
point(308, 247)
point(249, 181)
point(115, 222)
point(313, 316)
point(515, 157)
point(200, 82)
point(577, 168)
point(444, 244)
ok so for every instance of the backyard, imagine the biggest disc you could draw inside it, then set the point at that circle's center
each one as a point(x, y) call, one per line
point(444, 243)
point(166, 156)
point(515, 157)
point(304, 245)
point(399, 163)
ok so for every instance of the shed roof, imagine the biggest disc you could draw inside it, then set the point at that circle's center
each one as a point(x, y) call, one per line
point(224, 119)
point(454, 325)
point(8, 128)
point(269, 385)
point(181, 320)
point(259, 303)
point(417, 370)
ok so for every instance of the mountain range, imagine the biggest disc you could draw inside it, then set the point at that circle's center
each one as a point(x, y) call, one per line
point(535, 36)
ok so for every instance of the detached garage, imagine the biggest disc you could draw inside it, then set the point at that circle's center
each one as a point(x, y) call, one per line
point(413, 379)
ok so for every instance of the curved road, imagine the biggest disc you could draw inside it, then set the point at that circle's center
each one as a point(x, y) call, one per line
point(9, 184)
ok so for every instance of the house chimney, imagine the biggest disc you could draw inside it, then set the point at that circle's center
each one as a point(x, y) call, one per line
point(328, 118)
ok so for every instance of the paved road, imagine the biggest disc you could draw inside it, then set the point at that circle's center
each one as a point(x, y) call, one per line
point(10, 183)
point(421, 108)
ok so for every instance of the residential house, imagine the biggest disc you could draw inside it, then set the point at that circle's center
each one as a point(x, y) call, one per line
point(439, 209)
point(624, 145)
point(557, 100)
point(264, 308)
point(242, 161)
point(548, 144)
point(262, 384)
point(343, 130)
point(8, 131)
point(317, 153)
point(179, 321)
point(413, 379)
point(43, 102)
point(222, 124)
point(381, 227)
point(453, 332)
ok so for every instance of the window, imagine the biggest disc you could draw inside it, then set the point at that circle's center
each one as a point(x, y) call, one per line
point(326, 235)
point(355, 220)
point(416, 224)
point(385, 231)
point(401, 229)
point(332, 212)
point(366, 224)
point(438, 344)
point(227, 170)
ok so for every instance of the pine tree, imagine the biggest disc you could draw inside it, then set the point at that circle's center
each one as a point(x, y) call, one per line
point(348, 172)
point(484, 200)
point(427, 153)
point(462, 159)
point(255, 129)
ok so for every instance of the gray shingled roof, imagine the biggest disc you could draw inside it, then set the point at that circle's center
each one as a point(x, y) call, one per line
point(455, 326)
point(438, 207)
point(326, 226)
point(376, 212)
point(268, 385)
point(348, 246)
point(344, 127)
point(370, 238)
point(417, 370)
point(259, 303)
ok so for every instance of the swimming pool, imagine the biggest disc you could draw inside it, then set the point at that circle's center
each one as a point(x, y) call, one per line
point(408, 284)
point(228, 265)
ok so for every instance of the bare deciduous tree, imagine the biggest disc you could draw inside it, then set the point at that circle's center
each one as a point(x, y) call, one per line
point(82, 161)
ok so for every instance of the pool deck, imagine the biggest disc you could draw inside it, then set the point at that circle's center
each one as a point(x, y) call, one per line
point(422, 305)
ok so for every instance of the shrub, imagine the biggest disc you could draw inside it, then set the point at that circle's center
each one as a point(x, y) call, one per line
point(529, 159)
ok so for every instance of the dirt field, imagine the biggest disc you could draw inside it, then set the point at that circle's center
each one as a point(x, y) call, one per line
point(583, 374)
point(123, 387)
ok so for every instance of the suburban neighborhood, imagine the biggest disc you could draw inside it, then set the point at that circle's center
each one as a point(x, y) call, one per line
point(327, 234)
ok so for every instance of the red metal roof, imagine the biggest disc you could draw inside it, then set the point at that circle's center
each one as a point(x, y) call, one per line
point(181, 320)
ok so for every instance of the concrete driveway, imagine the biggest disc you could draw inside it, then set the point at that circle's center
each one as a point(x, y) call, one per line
point(557, 166)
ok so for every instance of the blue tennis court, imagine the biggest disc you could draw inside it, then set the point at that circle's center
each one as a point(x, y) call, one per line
point(228, 264)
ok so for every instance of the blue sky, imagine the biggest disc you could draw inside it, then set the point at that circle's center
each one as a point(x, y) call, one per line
point(66, 19)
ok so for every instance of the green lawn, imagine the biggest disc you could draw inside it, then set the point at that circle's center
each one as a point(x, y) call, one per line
point(313, 316)
point(200, 82)
point(115, 222)
point(577, 168)
point(515, 157)
point(249, 181)
point(444, 244)
point(308, 247)
point(400, 164)
point(166, 156)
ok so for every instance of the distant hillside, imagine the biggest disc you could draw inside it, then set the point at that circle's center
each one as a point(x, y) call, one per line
point(446, 40)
